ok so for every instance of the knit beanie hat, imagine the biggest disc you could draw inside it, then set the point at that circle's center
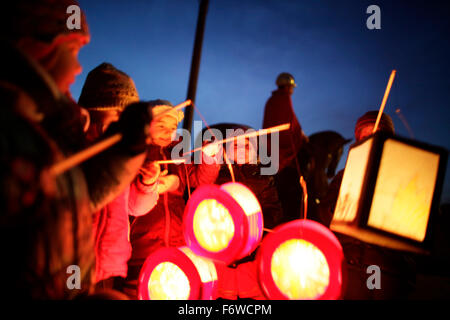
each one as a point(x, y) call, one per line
point(164, 106)
point(385, 125)
point(43, 20)
point(107, 88)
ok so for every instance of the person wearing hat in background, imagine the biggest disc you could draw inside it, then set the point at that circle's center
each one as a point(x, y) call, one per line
point(397, 268)
point(279, 110)
point(363, 129)
point(162, 227)
point(46, 219)
point(106, 92)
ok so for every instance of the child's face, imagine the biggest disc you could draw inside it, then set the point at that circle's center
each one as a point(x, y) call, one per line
point(65, 66)
point(162, 130)
point(241, 151)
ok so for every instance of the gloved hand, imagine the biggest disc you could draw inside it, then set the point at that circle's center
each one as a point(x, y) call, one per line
point(134, 125)
point(212, 153)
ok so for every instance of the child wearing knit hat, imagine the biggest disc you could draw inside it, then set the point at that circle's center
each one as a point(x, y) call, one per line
point(106, 93)
point(44, 36)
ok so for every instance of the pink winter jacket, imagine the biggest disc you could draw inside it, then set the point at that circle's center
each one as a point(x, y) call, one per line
point(111, 228)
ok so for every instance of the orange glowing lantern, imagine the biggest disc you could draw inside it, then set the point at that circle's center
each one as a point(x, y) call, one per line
point(390, 188)
point(301, 259)
point(223, 223)
point(177, 274)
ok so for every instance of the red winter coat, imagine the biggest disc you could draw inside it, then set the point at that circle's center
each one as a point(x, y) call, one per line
point(279, 110)
point(162, 226)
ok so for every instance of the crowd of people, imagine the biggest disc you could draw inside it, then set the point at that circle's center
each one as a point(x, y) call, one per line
point(107, 214)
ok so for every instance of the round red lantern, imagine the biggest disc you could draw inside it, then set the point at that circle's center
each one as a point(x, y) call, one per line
point(177, 274)
point(301, 259)
point(223, 223)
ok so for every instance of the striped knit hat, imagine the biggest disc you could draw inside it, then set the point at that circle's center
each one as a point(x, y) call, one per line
point(385, 125)
point(165, 107)
point(107, 88)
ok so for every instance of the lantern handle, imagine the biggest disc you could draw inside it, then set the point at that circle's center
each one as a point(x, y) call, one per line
point(383, 103)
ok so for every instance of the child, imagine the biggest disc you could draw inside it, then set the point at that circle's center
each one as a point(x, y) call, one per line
point(240, 279)
point(106, 92)
point(162, 227)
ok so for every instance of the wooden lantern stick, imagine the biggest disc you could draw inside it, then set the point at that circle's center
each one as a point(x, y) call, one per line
point(85, 154)
point(171, 161)
point(383, 103)
point(261, 132)
point(101, 146)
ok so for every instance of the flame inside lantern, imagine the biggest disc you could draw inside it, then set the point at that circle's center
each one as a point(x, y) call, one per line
point(168, 282)
point(301, 259)
point(213, 225)
point(300, 270)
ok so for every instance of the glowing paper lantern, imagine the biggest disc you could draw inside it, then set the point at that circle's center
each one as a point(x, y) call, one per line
point(390, 187)
point(301, 259)
point(223, 223)
point(177, 274)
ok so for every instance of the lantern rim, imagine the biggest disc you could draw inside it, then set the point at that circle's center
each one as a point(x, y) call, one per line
point(314, 233)
point(236, 244)
point(177, 257)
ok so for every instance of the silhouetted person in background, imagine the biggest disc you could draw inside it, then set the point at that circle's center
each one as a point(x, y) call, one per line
point(279, 110)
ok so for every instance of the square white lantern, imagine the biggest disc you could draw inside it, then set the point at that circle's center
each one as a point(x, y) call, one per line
point(390, 188)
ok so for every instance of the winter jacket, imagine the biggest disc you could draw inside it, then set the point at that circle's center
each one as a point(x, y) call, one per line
point(111, 229)
point(46, 221)
point(240, 280)
point(279, 110)
point(162, 226)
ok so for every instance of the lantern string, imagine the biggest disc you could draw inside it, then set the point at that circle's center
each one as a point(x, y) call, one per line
point(228, 162)
point(383, 103)
point(305, 197)
point(267, 230)
point(405, 123)
point(302, 181)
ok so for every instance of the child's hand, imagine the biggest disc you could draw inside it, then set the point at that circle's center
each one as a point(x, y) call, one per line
point(150, 172)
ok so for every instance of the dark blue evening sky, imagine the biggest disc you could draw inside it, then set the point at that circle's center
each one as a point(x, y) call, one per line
point(341, 67)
